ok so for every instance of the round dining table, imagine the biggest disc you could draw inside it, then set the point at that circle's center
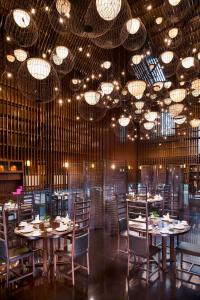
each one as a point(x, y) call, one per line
point(159, 227)
point(48, 237)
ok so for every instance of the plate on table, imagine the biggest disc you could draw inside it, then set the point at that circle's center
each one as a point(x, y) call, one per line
point(27, 230)
point(36, 233)
point(36, 222)
point(140, 219)
point(60, 229)
point(167, 220)
point(164, 231)
point(23, 224)
point(179, 227)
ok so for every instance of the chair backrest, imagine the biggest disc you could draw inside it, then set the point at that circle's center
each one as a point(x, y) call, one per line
point(121, 212)
point(171, 202)
point(137, 220)
point(26, 207)
point(142, 193)
point(81, 222)
point(3, 235)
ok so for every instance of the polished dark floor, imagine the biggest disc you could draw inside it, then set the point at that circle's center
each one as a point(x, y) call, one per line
point(107, 280)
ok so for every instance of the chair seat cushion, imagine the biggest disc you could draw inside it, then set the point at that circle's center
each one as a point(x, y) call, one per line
point(124, 233)
point(188, 248)
point(20, 252)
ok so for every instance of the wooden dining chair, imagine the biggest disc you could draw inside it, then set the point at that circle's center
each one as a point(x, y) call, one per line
point(142, 193)
point(122, 221)
point(26, 207)
point(139, 246)
point(16, 258)
point(80, 242)
point(188, 251)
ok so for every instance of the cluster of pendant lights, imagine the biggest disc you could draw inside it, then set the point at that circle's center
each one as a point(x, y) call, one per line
point(22, 29)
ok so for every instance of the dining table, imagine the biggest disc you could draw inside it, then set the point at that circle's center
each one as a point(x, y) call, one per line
point(49, 232)
point(165, 228)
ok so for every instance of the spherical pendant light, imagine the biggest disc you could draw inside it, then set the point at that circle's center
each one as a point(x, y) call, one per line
point(138, 111)
point(136, 34)
point(176, 109)
point(75, 84)
point(62, 52)
point(39, 68)
point(148, 125)
point(167, 101)
point(180, 119)
point(195, 123)
point(136, 59)
point(21, 18)
point(196, 93)
point(63, 7)
point(124, 120)
point(167, 84)
point(176, 10)
point(37, 80)
point(90, 113)
point(158, 86)
point(20, 54)
point(167, 57)
point(178, 95)
point(56, 60)
point(92, 97)
point(10, 58)
point(169, 62)
point(86, 21)
point(173, 32)
point(60, 16)
point(106, 88)
point(188, 68)
point(136, 88)
point(173, 38)
point(187, 62)
point(108, 9)
point(139, 104)
point(115, 36)
point(195, 84)
point(21, 28)
point(62, 60)
point(151, 116)
point(174, 2)
point(106, 64)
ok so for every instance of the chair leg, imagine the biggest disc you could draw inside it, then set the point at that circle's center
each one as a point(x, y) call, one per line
point(7, 274)
point(88, 263)
point(73, 279)
point(118, 243)
point(128, 262)
point(147, 275)
point(33, 261)
point(181, 261)
point(55, 265)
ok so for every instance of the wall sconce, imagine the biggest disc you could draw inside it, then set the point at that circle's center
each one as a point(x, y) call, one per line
point(160, 167)
point(129, 167)
point(92, 166)
point(184, 166)
point(113, 166)
point(140, 167)
point(66, 165)
point(28, 163)
point(1, 168)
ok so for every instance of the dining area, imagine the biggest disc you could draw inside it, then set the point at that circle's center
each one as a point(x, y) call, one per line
point(99, 149)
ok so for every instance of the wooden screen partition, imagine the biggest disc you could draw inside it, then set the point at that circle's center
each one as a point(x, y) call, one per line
point(49, 137)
